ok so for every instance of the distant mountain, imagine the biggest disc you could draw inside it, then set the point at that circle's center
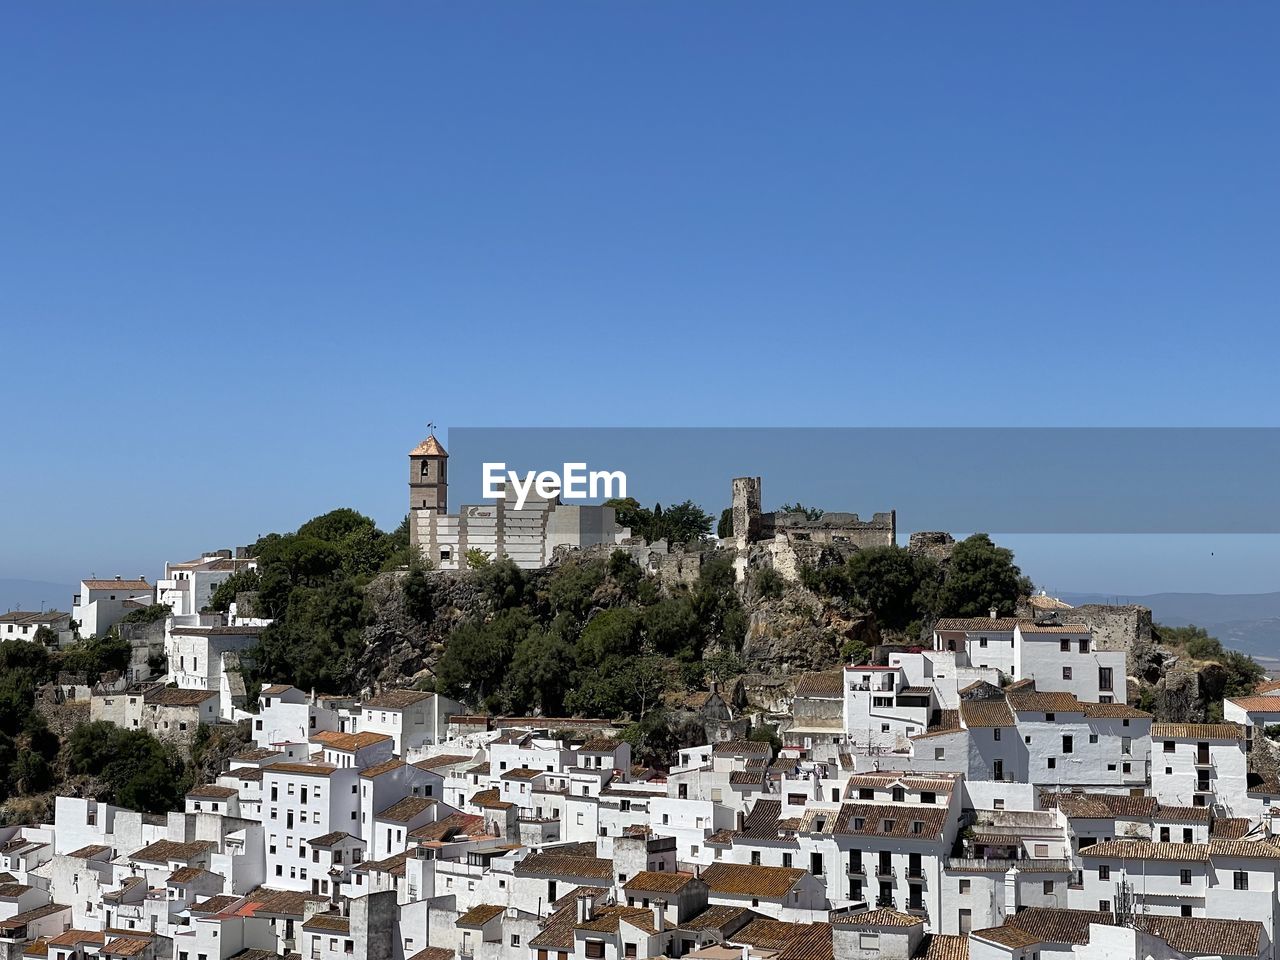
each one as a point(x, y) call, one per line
point(1242, 621)
point(30, 594)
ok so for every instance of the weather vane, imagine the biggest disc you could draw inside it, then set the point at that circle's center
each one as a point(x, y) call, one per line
point(431, 428)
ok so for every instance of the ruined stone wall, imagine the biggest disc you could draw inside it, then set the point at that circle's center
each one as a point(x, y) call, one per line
point(62, 716)
point(934, 544)
point(746, 510)
point(1114, 627)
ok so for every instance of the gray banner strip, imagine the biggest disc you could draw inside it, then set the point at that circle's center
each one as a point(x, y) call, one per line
point(995, 479)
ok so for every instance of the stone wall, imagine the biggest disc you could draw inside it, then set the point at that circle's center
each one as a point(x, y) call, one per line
point(934, 544)
point(62, 716)
point(1114, 627)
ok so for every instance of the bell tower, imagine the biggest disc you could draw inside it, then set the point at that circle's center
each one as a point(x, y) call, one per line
point(429, 476)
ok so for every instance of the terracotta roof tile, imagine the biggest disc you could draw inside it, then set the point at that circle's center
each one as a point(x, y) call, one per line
point(826, 685)
point(749, 880)
point(396, 699)
point(1199, 731)
point(479, 915)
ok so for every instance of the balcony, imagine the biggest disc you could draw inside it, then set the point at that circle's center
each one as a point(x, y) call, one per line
point(856, 870)
point(1203, 760)
point(915, 874)
point(886, 872)
point(885, 902)
point(918, 909)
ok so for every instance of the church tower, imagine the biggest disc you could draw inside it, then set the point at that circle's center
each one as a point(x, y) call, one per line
point(429, 476)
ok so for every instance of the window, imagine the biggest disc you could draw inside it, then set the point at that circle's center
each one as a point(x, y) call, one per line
point(1053, 763)
point(995, 733)
point(1093, 738)
point(595, 949)
point(1048, 888)
point(1066, 673)
point(1049, 718)
point(1240, 880)
point(1170, 746)
point(965, 885)
point(1068, 744)
point(1104, 678)
point(515, 939)
point(1084, 646)
point(786, 860)
point(1064, 646)
point(1104, 872)
point(1186, 878)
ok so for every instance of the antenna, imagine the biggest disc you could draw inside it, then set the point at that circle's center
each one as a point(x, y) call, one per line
point(1124, 902)
point(431, 427)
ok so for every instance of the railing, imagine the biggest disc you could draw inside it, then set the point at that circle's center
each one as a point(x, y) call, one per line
point(886, 871)
point(856, 870)
point(885, 902)
point(915, 873)
point(918, 909)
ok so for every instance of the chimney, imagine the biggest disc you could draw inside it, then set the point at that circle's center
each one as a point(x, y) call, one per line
point(585, 909)
point(118, 577)
point(994, 612)
point(660, 915)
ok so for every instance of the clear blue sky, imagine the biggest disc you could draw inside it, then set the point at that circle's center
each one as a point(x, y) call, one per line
point(248, 249)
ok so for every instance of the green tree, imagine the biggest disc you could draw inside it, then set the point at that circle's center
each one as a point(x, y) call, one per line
point(477, 559)
point(541, 673)
point(684, 523)
point(981, 576)
point(766, 733)
point(652, 740)
point(242, 581)
point(672, 627)
point(477, 656)
point(96, 656)
point(573, 589)
point(504, 584)
point(888, 581)
point(152, 613)
point(724, 526)
point(810, 513)
point(316, 642)
point(419, 594)
point(138, 770)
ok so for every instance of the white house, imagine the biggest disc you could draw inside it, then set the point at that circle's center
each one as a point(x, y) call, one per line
point(23, 624)
point(101, 604)
point(1201, 765)
point(188, 587)
point(412, 718)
